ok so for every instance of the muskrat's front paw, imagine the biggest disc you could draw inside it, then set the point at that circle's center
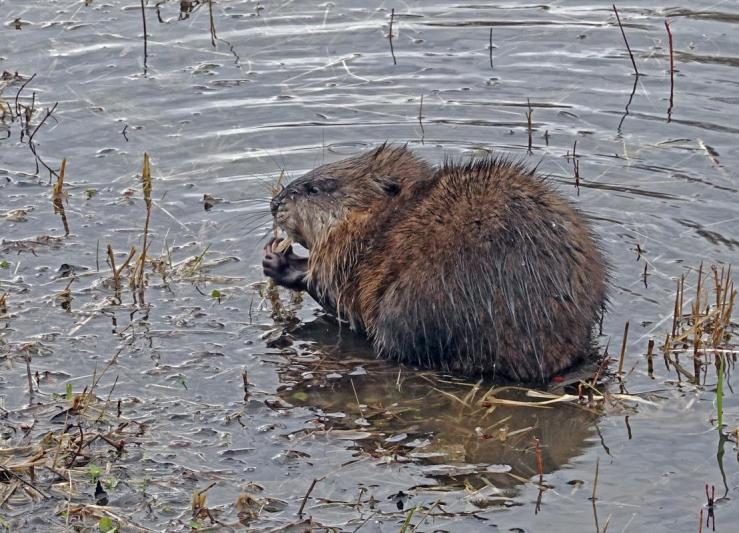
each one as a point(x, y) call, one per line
point(274, 264)
point(285, 267)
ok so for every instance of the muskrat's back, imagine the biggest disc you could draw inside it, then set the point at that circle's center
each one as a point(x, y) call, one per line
point(474, 268)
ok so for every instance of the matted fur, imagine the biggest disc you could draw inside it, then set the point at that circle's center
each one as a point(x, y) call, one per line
point(474, 268)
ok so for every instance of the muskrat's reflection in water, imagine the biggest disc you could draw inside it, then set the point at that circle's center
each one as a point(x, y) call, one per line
point(442, 422)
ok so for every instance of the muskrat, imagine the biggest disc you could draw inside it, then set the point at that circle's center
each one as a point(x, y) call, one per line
point(472, 268)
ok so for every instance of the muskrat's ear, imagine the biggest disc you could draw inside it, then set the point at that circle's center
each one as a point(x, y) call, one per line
point(390, 185)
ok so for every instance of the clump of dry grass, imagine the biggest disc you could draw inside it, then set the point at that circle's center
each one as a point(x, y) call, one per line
point(704, 333)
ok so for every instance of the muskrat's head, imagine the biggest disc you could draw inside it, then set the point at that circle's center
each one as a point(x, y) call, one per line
point(313, 204)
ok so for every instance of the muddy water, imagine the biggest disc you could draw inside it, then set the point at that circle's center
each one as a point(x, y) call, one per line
point(288, 86)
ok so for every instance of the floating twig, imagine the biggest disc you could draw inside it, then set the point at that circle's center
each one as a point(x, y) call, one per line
point(420, 119)
point(633, 62)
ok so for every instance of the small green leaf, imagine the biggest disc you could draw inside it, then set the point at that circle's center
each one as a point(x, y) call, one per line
point(90, 192)
point(106, 525)
point(94, 471)
point(4, 264)
point(216, 294)
point(68, 393)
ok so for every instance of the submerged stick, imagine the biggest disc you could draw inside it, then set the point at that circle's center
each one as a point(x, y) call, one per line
point(420, 119)
point(633, 62)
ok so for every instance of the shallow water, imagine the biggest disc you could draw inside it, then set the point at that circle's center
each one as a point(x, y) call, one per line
point(288, 86)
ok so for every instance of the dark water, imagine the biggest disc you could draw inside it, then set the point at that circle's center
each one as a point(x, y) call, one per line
point(290, 85)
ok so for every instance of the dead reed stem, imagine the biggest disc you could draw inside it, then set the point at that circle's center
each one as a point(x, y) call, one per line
point(576, 167)
point(57, 197)
point(529, 115)
point(595, 481)
point(623, 33)
point(146, 50)
point(623, 349)
point(307, 494)
point(672, 71)
point(490, 48)
point(28, 374)
point(390, 35)
point(213, 35)
point(147, 186)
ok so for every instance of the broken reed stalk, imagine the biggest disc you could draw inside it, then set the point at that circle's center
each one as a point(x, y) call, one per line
point(146, 51)
point(623, 33)
point(539, 461)
point(420, 118)
point(57, 197)
point(141, 263)
point(720, 393)
point(529, 115)
point(28, 374)
point(117, 271)
point(390, 35)
point(672, 71)
point(623, 349)
point(490, 48)
point(307, 494)
point(650, 359)
point(213, 35)
point(576, 167)
point(595, 481)
point(245, 379)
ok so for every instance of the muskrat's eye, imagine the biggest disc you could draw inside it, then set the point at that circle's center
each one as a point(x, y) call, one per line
point(313, 189)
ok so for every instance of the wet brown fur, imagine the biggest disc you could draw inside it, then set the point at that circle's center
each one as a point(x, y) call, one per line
point(471, 268)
